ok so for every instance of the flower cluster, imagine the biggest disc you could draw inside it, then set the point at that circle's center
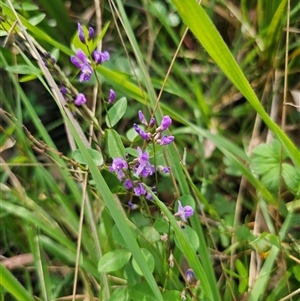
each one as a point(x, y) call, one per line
point(132, 174)
point(156, 136)
point(81, 61)
point(140, 167)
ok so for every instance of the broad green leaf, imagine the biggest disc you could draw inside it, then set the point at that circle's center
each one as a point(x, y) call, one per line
point(131, 275)
point(114, 144)
point(37, 19)
point(112, 181)
point(113, 260)
point(26, 6)
point(191, 236)
point(11, 285)
point(119, 294)
point(161, 225)
point(291, 176)
point(116, 113)
point(140, 292)
point(118, 238)
point(296, 271)
point(151, 234)
point(97, 157)
point(131, 134)
point(148, 257)
point(175, 295)
point(266, 162)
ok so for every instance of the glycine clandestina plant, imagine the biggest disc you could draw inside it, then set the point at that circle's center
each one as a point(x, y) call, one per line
point(135, 171)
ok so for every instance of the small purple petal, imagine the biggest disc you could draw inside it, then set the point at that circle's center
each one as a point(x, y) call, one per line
point(91, 33)
point(142, 118)
point(112, 96)
point(75, 62)
point(81, 33)
point(100, 57)
point(143, 134)
point(118, 165)
point(139, 190)
point(64, 91)
point(81, 55)
point(184, 212)
point(80, 99)
point(152, 122)
point(128, 184)
point(165, 123)
point(166, 140)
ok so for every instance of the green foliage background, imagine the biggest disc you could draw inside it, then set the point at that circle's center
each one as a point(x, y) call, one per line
point(231, 85)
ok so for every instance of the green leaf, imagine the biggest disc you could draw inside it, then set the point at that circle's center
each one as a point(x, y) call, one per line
point(131, 134)
point(113, 260)
point(10, 283)
point(174, 295)
point(26, 6)
point(296, 272)
point(119, 294)
point(116, 113)
point(114, 144)
point(148, 259)
point(241, 268)
point(151, 234)
point(112, 181)
point(22, 69)
point(275, 31)
point(265, 162)
point(118, 238)
point(161, 225)
point(140, 292)
point(191, 236)
point(291, 176)
point(97, 157)
point(37, 19)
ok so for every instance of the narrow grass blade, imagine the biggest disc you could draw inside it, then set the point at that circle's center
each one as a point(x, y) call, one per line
point(10, 283)
point(202, 27)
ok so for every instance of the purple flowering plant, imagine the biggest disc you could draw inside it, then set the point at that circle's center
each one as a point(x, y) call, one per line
point(133, 173)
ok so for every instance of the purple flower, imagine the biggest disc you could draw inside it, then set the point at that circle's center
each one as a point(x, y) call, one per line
point(132, 206)
point(80, 61)
point(144, 168)
point(166, 140)
point(118, 165)
point(128, 184)
point(152, 122)
point(139, 190)
point(100, 57)
point(142, 118)
point(149, 195)
point(91, 33)
point(80, 99)
point(143, 134)
point(112, 96)
point(165, 123)
point(190, 276)
point(164, 169)
point(81, 33)
point(64, 91)
point(184, 212)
